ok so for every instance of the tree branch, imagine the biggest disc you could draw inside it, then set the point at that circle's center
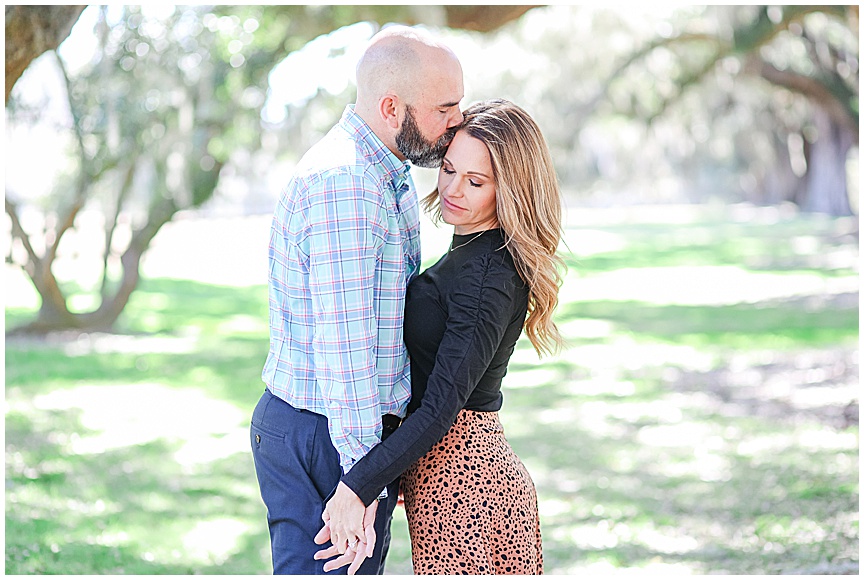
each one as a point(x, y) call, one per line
point(811, 88)
point(762, 30)
point(31, 31)
point(684, 84)
point(18, 232)
point(81, 186)
point(125, 188)
point(159, 215)
point(483, 18)
point(722, 49)
point(73, 110)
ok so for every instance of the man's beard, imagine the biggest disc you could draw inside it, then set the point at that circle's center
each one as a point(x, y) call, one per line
point(416, 148)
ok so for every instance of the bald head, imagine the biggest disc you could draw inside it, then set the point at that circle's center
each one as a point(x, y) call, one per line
point(408, 89)
point(398, 60)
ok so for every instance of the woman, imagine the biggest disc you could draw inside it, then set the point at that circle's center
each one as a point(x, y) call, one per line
point(470, 503)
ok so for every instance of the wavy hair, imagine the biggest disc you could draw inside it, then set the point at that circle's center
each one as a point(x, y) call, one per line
point(528, 204)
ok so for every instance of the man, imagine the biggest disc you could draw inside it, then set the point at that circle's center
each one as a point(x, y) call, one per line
point(344, 244)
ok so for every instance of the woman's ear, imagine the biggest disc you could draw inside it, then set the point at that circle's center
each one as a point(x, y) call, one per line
point(388, 108)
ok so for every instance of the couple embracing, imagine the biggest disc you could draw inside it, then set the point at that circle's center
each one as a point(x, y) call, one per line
point(382, 380)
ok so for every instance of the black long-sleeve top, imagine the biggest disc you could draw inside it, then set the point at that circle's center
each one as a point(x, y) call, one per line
point(462, 319)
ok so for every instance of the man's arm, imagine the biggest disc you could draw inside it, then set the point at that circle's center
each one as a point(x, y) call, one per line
point(344, 239)
point(343, 243)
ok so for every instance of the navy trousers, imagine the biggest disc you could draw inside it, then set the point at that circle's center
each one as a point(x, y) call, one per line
point(298, 470)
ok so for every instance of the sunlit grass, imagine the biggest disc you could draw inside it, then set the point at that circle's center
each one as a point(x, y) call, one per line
point(702, 419)
point(134, 507)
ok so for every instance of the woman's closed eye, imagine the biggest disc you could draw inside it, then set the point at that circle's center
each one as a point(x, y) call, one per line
point(471, 182)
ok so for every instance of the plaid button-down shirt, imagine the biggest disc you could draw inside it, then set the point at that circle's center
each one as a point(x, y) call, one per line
point(343, 246)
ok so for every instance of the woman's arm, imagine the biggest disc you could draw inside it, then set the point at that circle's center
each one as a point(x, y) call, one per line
point(480, 308)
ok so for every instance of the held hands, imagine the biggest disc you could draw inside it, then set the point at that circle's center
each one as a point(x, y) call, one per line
point(350, 527)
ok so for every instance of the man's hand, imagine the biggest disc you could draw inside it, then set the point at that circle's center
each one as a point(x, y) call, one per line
point(352, 553)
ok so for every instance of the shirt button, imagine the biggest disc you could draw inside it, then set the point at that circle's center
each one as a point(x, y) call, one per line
point(257, 439)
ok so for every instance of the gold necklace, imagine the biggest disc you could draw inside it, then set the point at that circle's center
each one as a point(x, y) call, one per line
point(466, 243)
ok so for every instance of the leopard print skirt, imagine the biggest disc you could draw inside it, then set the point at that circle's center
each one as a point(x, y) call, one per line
point(471, 505)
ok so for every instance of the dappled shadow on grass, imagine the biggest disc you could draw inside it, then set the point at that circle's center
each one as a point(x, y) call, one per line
point(803, 243)
point(777, 324)
point(174, 307)
point(688, 254)
point(174, 332)
point(75, 558)
point(149, 507)
point(164, 305)
point(231, 372)
point(812, 385)
point(129, 510)
point(711, 493)
point(700, 437)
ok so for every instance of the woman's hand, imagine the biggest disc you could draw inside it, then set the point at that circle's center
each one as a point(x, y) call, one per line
point(346, 512)
point(350, 526)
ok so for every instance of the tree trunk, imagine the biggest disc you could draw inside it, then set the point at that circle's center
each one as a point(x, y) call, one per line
point(54, 314)
point(31, 31)
point(826, 167)
point(110, 310)
point(780, 183)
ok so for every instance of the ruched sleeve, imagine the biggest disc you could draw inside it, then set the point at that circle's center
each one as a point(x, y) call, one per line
point(480, 307)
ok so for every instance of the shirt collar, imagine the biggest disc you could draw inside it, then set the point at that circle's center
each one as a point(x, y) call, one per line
point(396, 169)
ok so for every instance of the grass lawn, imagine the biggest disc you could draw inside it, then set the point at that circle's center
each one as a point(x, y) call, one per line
point(702, 420)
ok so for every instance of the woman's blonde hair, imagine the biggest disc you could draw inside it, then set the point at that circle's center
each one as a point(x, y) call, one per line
point(528, 203)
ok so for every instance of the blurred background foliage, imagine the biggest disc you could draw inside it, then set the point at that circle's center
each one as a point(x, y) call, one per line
point(166, 107)
point(704, 419)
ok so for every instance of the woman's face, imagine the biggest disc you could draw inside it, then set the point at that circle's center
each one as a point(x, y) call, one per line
point(466, 186)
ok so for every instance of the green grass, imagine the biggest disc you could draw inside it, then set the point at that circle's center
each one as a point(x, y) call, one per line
point(736, 326)
point(679, 432)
